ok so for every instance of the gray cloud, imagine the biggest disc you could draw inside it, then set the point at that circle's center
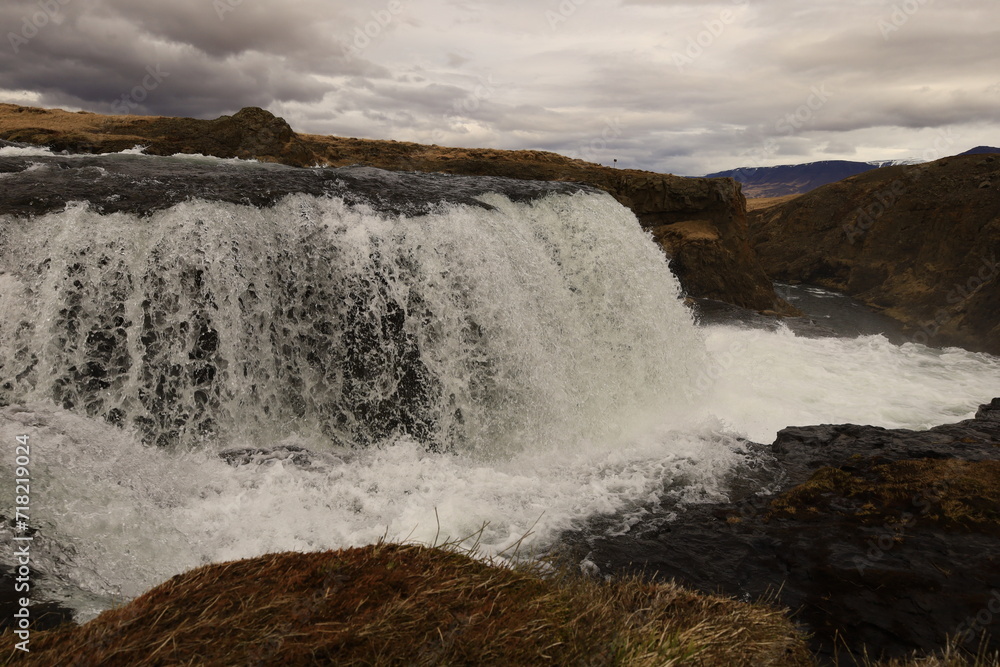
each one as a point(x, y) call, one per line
point(680, 86)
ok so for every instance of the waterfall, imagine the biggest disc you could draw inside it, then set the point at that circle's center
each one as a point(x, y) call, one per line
point(480, 329)
point(416, 358)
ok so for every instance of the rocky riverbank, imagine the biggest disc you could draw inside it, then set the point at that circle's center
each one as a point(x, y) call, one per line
point(885, 541)
point(700, 222)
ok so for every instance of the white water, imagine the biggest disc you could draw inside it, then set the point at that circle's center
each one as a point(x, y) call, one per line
point(42, 151)
point(25, 151)
point(567, 381)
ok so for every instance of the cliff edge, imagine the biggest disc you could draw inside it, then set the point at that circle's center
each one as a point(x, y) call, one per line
point(699, 222)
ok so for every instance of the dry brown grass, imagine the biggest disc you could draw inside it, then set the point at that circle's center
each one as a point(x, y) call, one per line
point(950, 657)
point(37, 124)
point(756, 203)
point(392, 604)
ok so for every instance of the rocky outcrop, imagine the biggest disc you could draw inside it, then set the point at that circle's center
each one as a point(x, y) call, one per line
point(250, 133)
point(920, 242)
point(720, 266)
point(131, 184)
point(882, 540)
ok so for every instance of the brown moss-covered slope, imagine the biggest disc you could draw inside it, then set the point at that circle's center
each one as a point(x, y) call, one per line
point(921, 242)
point(409, 605)
point(721, 266)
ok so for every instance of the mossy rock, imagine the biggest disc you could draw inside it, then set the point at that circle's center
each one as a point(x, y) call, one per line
point(950, 493)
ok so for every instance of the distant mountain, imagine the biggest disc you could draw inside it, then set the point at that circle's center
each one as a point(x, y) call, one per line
point(981, 149)
point(794, 179)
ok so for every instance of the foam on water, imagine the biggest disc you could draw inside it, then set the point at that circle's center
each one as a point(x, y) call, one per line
point(138, 149)
point(116, 517)
point(559, 378)
point(44, 151)
point(201, 157)
point(761, 381)
point(25, 151)
point(483, 331)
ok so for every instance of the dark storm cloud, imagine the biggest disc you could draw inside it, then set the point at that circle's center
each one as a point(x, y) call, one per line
point(669, 85)
point(205, 58)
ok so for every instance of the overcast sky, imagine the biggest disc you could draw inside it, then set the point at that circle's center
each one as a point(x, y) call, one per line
point(668, 85)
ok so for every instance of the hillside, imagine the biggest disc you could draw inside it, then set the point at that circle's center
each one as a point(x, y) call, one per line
point(794, 179)
point(921, 242)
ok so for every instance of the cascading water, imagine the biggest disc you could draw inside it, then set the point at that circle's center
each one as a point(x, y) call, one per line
point(495, 364)
point(468, 329)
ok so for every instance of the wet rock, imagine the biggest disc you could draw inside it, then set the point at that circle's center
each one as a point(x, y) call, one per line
point(44, 614)
point(292, 454)
point(881, 540)
point(142, 185)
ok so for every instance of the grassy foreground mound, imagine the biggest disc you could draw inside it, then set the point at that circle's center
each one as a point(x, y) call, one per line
point(391, 604)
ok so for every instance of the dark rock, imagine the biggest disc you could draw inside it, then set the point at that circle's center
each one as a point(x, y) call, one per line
point(44, 614)
point(989, 412)
point(142, 185)
point(881, 540)
point(711, 267)
point(293, 454)
point(257, 455)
